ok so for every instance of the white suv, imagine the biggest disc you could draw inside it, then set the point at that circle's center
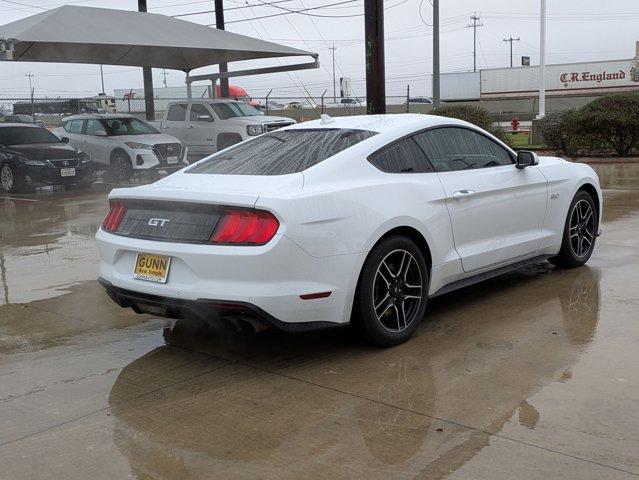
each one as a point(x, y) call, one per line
point(124, 143)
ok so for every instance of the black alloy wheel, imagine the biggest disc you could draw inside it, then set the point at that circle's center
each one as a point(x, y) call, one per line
point(580, 232)
point(392, 291)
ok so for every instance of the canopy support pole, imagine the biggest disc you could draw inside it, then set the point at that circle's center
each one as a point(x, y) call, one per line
point(219, 24)
point(147, 73)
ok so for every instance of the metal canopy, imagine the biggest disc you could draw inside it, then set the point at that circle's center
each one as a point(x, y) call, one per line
point(73, 34)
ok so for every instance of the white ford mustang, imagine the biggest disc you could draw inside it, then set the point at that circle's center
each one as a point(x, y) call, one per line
point(353, 219)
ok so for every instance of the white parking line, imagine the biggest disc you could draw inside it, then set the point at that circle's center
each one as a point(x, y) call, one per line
point(21, 199)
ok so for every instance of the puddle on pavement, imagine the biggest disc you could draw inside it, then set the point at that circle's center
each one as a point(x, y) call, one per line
point(47, 246)
point(476, 362)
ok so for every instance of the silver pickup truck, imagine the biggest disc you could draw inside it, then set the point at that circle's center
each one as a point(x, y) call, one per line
point(208, 125)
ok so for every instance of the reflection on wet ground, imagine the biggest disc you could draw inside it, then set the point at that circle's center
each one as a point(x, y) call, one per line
point(530, 375)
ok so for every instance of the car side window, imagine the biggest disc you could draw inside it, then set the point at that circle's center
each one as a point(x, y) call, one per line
point(454, 148)
point(94, 127)
point(403, 156)
point(177, 112)
point(199, 110)
point(73, 126)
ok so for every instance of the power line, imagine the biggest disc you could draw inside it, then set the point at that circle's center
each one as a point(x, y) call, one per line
point(474, 26)
point(300, 11)
point(263, 4)
point(510, 40)
point(421, 16)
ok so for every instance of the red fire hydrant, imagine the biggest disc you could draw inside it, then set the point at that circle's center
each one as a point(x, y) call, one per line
point(515, 124)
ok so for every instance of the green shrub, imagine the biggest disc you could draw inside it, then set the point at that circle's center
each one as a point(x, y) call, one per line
point(562, 131)
point(472, 114)
point(611, 121)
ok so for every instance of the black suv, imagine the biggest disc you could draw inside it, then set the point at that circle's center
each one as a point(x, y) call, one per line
point(31, 156)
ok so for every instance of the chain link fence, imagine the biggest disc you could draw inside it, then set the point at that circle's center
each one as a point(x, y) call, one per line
point(51, 111)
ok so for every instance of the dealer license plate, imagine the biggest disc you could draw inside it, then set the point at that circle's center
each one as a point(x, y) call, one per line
point(173, 159)
point(151, 267)
point(67, 172)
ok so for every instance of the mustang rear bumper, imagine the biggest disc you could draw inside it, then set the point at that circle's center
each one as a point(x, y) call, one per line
point(272, 282)
point(202, 309)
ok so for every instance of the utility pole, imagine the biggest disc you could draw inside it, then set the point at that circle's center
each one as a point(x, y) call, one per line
point(542, 61)
point(147, 73)
point(511, 40)
point(474, 26)
point(332, 49)
point(436, 99)
point(219, 24)
point(164, 74)
point(30, 76)
point(374, 45)
point(102, 79)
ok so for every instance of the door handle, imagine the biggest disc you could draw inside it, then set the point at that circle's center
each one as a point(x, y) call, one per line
point(466, 193)
point(189, 126)
point(85, 141)
point(165, 126)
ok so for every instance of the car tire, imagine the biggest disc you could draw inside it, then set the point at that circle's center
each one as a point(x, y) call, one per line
point(11, 181)
point(121, 166)
point(392, 292)
point(580, 232)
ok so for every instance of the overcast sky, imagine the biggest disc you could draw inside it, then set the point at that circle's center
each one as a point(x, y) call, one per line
point(578, 30)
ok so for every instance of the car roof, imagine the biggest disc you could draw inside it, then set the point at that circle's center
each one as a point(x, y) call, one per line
point(396, 123)
point(16, 124)
point(104, 116)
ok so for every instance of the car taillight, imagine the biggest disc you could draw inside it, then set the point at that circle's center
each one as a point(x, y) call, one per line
point(245, 227)
point(114, 217)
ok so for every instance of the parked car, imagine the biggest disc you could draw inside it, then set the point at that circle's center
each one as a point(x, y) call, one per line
point(208, 125)
point(24, 119)
point(426, 100)
point(123, 143)
point(272, 105)
point(345, 103)
point(31, 156)
point(352, 218)
point(300, 105)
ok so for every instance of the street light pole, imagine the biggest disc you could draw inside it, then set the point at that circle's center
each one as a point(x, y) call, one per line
point(332, 49)
point(30, 75)
point(542, 61)
point(102, 79)
point(436, 99)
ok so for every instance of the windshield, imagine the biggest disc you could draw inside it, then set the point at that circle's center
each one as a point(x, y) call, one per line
point(26, 136)
point(281, 152)
point(234, 109)
point(128, 126)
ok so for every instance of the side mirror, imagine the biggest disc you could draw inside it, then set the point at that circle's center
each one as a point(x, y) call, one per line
point(526, 158)
point(101, 133)
point(64, 139)
point(203, 118)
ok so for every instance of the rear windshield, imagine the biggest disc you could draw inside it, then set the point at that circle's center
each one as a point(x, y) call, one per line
point(281, 152)
point(26, 136)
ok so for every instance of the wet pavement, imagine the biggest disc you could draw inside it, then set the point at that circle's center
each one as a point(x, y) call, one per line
point(531, 375)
